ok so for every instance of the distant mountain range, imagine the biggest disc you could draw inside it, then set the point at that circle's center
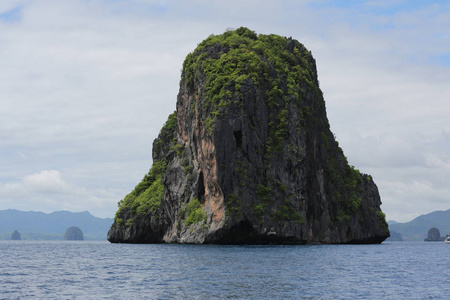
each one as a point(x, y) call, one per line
point(42, 226)
point(417, 229)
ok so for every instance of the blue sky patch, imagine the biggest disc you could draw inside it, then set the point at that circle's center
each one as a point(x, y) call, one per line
point(12, 15)
point(442, 60)
point(377, 7)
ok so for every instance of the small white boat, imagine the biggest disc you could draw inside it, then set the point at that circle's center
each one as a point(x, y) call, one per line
point(447, 240)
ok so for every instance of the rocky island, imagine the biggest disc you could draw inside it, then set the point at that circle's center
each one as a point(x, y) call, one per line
point(73, 234)
point(248, 156)
point(434, 235)
point(15, 236)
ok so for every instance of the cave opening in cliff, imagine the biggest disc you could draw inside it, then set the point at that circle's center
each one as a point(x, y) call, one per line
point(201, 188)
point(238, 138)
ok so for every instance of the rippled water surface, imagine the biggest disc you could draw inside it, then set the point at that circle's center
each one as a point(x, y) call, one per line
point(99, 270)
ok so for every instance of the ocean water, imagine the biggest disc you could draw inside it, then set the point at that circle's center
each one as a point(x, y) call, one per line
point(100, 270)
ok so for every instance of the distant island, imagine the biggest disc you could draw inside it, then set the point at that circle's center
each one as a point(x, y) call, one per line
point(15, 236)
point(418, 228)
point(42, 226)
point(434, 235)
point(73, 234)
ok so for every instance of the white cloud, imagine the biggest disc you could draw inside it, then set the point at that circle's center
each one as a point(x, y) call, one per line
point(44, 182)
point(47, 181)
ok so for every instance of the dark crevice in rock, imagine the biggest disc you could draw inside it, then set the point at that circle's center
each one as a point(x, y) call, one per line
point(238, 138)
point(201, 188)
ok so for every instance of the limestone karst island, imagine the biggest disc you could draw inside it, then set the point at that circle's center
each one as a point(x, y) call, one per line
point(248, 156)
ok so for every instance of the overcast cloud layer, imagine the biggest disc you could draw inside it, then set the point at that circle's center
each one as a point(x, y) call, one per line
point(86, 85)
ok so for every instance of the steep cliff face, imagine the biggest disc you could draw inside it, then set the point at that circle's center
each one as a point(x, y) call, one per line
point(248, 156)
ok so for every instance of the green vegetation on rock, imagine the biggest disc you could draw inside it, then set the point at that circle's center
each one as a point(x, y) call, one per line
point(346, 179)
point(245, 58)
point(382, 219)
point(194, 212)
point(168, 130)
point(147, 196)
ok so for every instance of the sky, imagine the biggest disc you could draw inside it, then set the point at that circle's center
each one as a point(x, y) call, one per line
point(86, 85)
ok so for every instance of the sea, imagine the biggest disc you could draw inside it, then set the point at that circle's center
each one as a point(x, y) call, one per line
point(100, 270)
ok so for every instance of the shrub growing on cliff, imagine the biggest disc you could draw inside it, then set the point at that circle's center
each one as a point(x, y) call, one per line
point(148, 194)
point(194, 212)
point(382, 220)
